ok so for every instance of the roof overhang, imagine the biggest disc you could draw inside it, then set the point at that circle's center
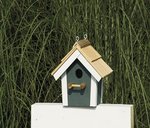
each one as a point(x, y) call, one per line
point(88, 56)
point(76, 55)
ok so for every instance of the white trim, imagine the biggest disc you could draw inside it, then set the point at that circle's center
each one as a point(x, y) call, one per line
point(93, 94)
point(68, 62)
point(102, 87)
point(64, 89)
point(89, 67)
point(71, 59)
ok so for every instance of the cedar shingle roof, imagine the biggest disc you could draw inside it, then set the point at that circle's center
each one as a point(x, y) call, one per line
point(91, 55)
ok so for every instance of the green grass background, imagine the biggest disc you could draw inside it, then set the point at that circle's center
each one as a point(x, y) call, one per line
point(36, 34)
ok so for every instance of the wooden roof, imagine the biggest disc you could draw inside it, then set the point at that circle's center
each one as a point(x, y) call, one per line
point(91, 55)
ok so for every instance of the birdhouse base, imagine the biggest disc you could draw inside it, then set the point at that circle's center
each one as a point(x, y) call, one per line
point(54, 115)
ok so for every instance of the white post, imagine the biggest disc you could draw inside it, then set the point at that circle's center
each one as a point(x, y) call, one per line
point(48, 115)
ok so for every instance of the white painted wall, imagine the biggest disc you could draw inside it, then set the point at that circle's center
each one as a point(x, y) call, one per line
point(102, 89)
point(93, 93)
point(64, 89)
point(47, 115)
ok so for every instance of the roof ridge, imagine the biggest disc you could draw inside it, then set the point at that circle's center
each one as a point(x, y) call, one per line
point(82, 43)
point(89, 52)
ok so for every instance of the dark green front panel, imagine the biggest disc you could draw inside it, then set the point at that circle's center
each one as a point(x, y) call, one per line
point(78, 97)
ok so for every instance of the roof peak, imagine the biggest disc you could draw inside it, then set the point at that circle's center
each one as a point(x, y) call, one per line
point(82, 43)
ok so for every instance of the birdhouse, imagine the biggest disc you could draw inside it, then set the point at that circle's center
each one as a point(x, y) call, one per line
point(82, 71)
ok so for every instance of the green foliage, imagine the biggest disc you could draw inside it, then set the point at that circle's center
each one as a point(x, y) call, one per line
point(35, 35)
